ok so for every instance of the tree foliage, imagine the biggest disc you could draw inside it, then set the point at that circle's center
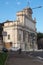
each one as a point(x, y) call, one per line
point(39, 35)
point(40, 40)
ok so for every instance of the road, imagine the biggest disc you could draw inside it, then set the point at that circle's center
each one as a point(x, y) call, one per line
point(22, 59)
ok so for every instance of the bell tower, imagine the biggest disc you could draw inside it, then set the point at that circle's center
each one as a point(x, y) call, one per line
point(28, 12)
point(25, 14)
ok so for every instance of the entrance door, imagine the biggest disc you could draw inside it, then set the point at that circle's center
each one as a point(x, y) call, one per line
point(8, 45)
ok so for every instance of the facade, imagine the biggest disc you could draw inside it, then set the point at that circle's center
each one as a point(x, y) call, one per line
point(18, 34)
point(1, 38)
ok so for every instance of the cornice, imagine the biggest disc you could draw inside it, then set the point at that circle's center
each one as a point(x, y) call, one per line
point(20, 27)
point(27, 17)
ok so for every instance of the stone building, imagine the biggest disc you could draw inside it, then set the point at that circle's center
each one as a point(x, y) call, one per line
point(17, 34)
point(1, 37)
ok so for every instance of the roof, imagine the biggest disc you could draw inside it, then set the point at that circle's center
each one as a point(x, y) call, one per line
point(7, 21)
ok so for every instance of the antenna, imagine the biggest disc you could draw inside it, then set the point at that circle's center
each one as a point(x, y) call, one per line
point(28, 3)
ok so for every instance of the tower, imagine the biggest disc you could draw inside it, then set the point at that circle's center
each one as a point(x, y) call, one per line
point(28, 12)
point(25, 13)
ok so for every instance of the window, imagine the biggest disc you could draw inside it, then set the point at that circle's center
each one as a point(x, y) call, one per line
point(10, 43)
point(28, 37)
point(8, 36)
point(19, 36)
point(24, 35)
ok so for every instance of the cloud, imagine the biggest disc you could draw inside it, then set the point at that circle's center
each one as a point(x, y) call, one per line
point(16, 0)
point(18, 3)
point(6, 3)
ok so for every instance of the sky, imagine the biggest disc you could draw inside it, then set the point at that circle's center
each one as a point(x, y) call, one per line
point(8, 9)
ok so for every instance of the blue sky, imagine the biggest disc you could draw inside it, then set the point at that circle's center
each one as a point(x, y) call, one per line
point(8, 9)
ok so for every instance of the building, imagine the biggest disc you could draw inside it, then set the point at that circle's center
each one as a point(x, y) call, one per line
point(1, 37)
point(18, 34)
point(40, 43)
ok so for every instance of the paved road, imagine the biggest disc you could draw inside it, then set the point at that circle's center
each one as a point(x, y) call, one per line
point(22, 59)
point(37, 53)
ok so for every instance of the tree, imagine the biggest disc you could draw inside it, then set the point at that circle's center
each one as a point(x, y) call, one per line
point(40, 40)
point(39, 35)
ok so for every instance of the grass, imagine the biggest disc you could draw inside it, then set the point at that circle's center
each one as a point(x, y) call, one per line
point(3, 57)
